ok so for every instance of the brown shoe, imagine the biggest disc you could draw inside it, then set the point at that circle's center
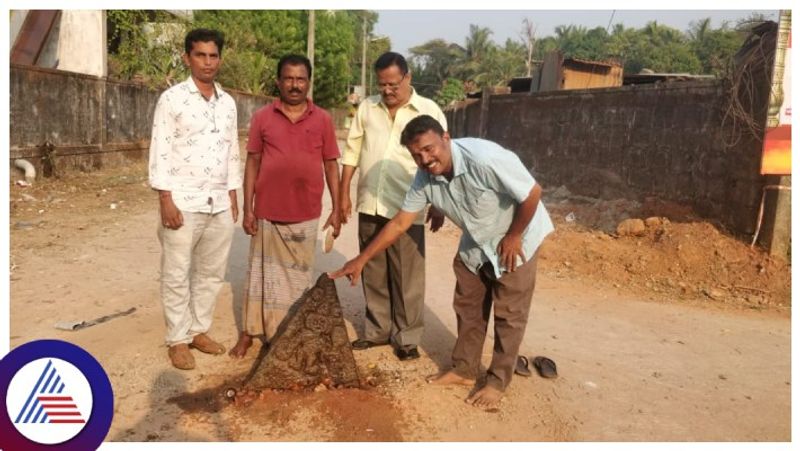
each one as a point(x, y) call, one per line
point(203, 343)
point(181, 357)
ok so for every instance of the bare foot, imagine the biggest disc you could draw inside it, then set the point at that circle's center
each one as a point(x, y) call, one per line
point(486, 398)
point(449, 378)
point(244, 343)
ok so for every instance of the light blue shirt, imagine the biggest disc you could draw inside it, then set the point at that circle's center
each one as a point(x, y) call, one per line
point(488, 183)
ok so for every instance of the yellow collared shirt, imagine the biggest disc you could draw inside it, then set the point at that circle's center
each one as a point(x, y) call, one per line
point(386, 168)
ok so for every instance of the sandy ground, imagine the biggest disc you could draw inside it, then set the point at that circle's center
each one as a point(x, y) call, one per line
point(691, 362)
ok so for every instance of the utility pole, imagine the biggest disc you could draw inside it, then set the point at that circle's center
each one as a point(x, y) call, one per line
point(364, 57)
point(310, 51)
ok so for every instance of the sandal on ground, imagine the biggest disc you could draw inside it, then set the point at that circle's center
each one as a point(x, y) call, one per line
point(545, 367)
point(522, 367)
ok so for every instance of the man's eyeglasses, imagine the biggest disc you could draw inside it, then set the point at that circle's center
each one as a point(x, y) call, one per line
point(391, 86)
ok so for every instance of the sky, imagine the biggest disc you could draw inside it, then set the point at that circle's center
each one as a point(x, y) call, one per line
point(453, 25)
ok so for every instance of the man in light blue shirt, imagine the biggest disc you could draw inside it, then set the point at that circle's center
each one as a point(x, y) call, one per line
point(488, 193)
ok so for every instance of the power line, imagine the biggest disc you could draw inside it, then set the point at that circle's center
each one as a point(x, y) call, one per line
point(591, 73)
point(611, 19)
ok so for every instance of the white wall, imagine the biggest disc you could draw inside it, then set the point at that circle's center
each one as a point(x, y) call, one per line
point(76, 43)
point(17, 17)
point(82, 42)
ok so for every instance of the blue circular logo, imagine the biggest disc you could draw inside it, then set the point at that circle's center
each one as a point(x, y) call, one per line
point(58, 398)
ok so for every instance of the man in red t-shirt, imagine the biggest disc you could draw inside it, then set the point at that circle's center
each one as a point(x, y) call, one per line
point(291, 143)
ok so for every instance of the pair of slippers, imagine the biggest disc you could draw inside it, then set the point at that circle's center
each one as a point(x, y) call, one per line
point(544, 366)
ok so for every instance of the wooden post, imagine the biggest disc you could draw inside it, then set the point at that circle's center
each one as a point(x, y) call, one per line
point(484, 121)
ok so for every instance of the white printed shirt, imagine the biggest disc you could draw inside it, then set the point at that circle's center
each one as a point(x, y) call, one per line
point(194, 148)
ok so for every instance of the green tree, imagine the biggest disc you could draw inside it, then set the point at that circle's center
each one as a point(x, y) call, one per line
point(714, 48)
point(146, 46)
point(362, 20)
point(480, 59)
point(569, 37)
point(254, 42)
point(375, 48)
point(477, 50)
point(478, 43)
point(656, 47)
point(452, 90)
point(433, 63)
point(437, 57)
point(335, 42)
point(662, 49)
point(504, 63)
point(544, 46)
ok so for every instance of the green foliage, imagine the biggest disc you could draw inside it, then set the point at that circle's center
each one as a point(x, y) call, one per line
point(714, 47)
point(437, 57)
point(701, 50)
point(453, 90)
point(335, 42)
point(254, 42)
point(433, 62)
point(362, 20)
point(579, 42)
point(146, 46)
point(504, 63)
point(661, 49)
point(375, 48)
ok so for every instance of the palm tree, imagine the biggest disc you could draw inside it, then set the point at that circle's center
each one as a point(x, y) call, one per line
point(477, 50)
point(699, 29)
point(570, 37)
point(478, 43)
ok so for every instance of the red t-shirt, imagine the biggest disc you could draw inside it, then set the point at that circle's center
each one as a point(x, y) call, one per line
point(291, 176)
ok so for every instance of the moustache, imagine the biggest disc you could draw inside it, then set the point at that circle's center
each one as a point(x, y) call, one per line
point(295, 91)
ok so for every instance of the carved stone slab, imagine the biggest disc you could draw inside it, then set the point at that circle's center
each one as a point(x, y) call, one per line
point(311, 347)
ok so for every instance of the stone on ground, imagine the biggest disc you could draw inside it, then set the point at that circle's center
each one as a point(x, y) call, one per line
point(311, 346)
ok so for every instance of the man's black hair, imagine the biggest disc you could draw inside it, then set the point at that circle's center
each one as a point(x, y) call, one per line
point(389, 59)
point(204, 35)
point(418, 126)
point(294, 60)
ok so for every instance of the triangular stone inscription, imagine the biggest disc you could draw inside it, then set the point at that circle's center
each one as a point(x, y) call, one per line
point(311, 347)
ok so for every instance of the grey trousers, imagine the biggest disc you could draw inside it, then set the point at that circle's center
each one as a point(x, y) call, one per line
point(394, 285)
point(473, 299)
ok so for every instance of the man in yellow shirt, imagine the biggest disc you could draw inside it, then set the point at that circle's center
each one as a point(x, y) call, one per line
point(393, 280)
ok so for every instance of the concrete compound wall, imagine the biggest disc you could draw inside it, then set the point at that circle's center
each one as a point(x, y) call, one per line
point(664, 140)
point(91, 121)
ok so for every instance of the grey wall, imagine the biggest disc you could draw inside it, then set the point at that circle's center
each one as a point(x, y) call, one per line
point(91, 121)
point(665, 140)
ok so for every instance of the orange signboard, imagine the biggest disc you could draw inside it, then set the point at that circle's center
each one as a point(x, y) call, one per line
point(777, 155)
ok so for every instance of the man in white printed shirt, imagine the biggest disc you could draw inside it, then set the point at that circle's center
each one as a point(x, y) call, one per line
point(194, 166)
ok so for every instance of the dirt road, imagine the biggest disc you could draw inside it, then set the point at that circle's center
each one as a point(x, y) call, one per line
point(630, 368)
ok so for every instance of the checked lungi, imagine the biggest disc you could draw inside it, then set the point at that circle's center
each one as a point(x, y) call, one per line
point(280, 270)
